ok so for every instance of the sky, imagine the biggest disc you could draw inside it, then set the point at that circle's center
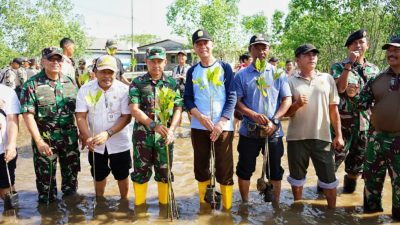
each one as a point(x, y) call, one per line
point(110, 19)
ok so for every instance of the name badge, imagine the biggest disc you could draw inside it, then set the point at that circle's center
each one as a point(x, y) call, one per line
point(112, 117)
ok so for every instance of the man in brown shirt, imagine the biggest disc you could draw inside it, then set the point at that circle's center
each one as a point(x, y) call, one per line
point(382, 95)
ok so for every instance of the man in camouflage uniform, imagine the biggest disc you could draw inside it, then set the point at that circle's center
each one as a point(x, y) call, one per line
point(351, 75)
point(382, 95)
point(16, 76)
point(48, 107)
point(149, 149)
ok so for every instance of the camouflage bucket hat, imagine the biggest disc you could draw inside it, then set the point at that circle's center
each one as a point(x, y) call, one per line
point(156, 53)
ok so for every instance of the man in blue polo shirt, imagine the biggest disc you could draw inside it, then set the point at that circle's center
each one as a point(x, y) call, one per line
point(261, 117)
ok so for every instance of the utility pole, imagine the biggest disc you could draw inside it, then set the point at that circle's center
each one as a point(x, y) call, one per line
point(133, 53)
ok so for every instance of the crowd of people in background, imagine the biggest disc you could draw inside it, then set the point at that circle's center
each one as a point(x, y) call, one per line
point(349, 115)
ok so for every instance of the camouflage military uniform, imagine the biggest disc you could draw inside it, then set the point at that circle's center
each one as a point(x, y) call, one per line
point(15, 79)
point(148, 147)
point(354, 123)
point(53, 104)
point(383, 151)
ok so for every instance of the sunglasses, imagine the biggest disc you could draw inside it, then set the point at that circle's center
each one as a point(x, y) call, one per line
point(55, 59)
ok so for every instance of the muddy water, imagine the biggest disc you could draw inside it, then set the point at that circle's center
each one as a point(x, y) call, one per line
point(79, 208)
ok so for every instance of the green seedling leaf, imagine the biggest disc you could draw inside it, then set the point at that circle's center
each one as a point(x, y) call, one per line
point(260, 65)
point(46, 135)
point(213, 77)
point(166, 102)
point(98, 96)
point(92, 99)
point(84, 78)
point(199, 82)
point(262, 86)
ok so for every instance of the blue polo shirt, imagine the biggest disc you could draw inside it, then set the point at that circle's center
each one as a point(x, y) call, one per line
point(246, 88)
point(199, 95)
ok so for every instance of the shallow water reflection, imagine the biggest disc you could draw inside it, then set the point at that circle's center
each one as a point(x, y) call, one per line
point(78, 209)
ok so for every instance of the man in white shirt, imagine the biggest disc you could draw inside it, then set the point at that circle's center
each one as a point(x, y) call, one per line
point(9, 110)
point(107, 135)
point(68, 67)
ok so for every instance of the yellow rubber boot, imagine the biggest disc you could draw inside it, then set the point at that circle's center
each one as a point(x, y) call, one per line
point(202, 190)
point(162, 192)
point(227, 192)
point(140, 193)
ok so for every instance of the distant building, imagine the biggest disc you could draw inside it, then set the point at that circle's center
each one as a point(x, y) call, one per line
point(172, 48)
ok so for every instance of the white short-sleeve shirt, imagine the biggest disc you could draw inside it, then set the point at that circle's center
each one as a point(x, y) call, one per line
point(112, 104)
point(9, 104)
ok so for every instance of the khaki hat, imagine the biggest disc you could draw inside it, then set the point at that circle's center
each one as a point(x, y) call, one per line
point(106, 62)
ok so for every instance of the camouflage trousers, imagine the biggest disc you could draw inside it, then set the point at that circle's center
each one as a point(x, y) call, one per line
point(149, 150)
point(383, 153)
point(45, 169)
point(353, 153)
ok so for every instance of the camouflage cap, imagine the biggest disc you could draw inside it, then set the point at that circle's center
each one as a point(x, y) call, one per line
point(355, 36)
point(106, 62)
point(50, 51)
point(156, 53)
point(394, 41)
point(111, 44)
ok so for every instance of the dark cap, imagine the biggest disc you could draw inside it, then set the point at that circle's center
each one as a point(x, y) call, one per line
point(82, 62)
point(355, 36)
point(258, 39)
point(111, 44)
point(302, 49)
point(25, 59)
point(199, 35)
point(273, 59)
point(50, 51)
point(394, 41)
point(32, 61)
point(156, 53)
point(18, 61)
point(181, 52)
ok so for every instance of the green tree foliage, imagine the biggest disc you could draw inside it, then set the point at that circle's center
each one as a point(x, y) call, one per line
point(26, 27)
point(328, 23)
point(140, 39)
point(219, 17)
point(255, 24)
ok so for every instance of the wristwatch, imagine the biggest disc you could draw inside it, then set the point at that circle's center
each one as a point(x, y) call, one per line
point(110, 132)
point(275, 121)
point(152, 125)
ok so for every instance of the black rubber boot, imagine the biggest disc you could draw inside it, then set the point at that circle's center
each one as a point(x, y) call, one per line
point(396, 214)
point(349, 185)
point(371, 207)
